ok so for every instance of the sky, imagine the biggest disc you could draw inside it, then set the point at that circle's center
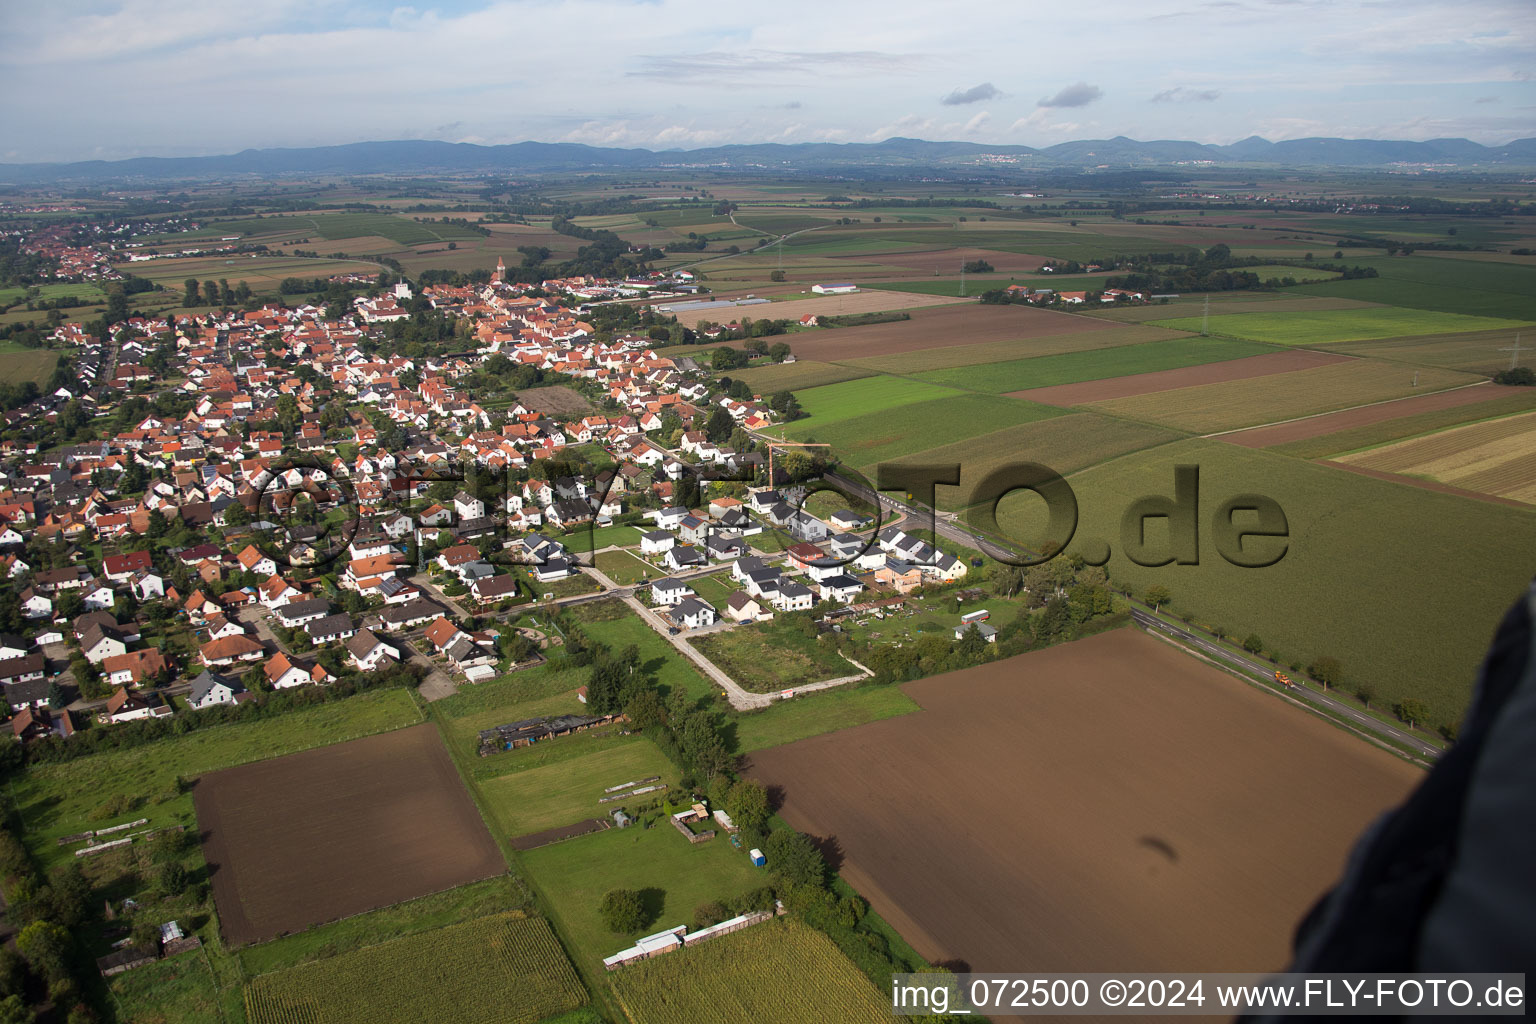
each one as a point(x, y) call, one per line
point(87, 80)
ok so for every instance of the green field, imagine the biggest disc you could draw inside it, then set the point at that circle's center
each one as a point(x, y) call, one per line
point(1303, 274)
point(1328, 326)
point(1388, 431)
point(1096, 364)
point(833, 403)
point(623, 568)
point(179, 988)
point(770, 656)
point(61, 799)
point(568, 791)
point(1354, 541)
point(778, 972)
point(497, 969)
point(927, 359)
point(1485, 352)
point(1476, 287)
point(868, 440)
point(510, 698)
point(582, 540)
point(658, 657)
point(766, 380)
point(673, 875)
point(34, 364)
point(823, 711)
point(403, 229)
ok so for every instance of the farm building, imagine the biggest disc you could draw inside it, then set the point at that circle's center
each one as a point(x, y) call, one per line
point(840, 288)
point(532, 730)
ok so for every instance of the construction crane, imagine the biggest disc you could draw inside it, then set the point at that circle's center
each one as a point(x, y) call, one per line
point(771, 445)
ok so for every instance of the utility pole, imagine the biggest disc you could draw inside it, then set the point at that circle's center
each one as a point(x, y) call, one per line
point(962, 279)
point(1514, 350)
point(1205, 318)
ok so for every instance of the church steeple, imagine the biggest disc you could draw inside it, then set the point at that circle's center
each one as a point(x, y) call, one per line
point(501, 270)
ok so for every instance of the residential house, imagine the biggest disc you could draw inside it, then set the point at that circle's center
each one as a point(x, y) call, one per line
point(743, 607)
point(210, 689)
point(229, 651)
point(135, 668)
point(692, 613)
point(330, 628)
point(367, 652)
point(668, 592)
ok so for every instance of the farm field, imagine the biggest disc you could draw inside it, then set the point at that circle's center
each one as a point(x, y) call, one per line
point(1326, 327)
point(924, 360)
point(1146, 825)
point(1245, 368)
point(1352, 540)
point(1485, 352)
point(1477, 287)
point(262, 273)
point(1122, 361)
point(766, 380)
point(1064, 443)
point(866, 441)
point(964, 323)
point(1496, 457)
point(34, 364)
point(948, 261)
point(771, 656)
point(328, 833)
point(1229, 303)
point(819, 305)
point(1242, 403)
point(1302, 274)
point(778, 972)
point(504, 968)
point(568, 791)
point(851, 399)
point(556, 401)
point(61, 799)
point(1376, 424)
point(672, 875)
point(819, 712)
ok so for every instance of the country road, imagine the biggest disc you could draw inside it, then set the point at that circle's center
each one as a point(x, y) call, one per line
point(1354, 716)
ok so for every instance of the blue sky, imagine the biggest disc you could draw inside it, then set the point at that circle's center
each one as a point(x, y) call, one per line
point(89, 80)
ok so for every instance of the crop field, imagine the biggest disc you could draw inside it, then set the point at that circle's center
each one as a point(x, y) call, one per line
point(34, 364)
point(778, 972)
point(1352, 540)
point(1096, 364)
point(1064, 443)
point(503, 969)
point(948, 261)
point(926, 360)
point(807, 373)
point(965, 323)
point(1269, 364)
point(672, 875)
point(1497, 457)
point(877, 437)
point(1163, 813)
point(1327, 327)
point(262, 273)
point(1485, 352)
point(1345, 431)
point(567, 792)
point(1227, 303)
point(312, 837)
point(1242, 403)
point(770, 656)
point(834, 402)
point(1479, 288)
point(819, 305)
point(55, 800)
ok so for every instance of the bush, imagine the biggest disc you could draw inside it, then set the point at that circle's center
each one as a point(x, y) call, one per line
point(622, 910)
point(708, 913)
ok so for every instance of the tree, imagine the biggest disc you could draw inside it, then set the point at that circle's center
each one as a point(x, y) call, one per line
point(778, 350)
point(776, 275)
point(622, 910)
point(56, 698)
point(1253, 645)
point(1157, 595)
point(14, 1011)
point(45, 944)
point(1413, 711)
point(190, 298)
point(747, 804)
point(794, 858)
point(1366, 694)
point(211, 292)
point(173, 878)
point(1326, 670)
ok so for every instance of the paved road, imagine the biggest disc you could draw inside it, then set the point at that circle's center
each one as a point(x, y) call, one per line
point(945, 526)
point(1263, 670)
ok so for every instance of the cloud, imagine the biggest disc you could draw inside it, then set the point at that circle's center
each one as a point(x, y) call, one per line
point(960, 97)
point(977, 123)
point(1079, 95)
point(715, 64)
point(1179, 94)
point(1486, 99)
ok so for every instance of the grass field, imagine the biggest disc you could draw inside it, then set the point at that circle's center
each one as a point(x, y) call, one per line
point(1485, 352)
point(1064, 443)
point(262, 272)
point(622, 567)
point(833, 403)
point(34, 364)
point(770, 656)
point(1240, 403)
point(1477, 287)
point(658, 657)
point(582, 540)
point(1497, 457)
point(1408, 426)
point(510, 698)
point(816, 713)
point(1097, 364)
point(61, 799)
point(766, 380)
point(923, 360)
point(672, 875)
point(877, 437)
point(1353, 540)
point(779, 972)
point(568, 791)
point(179, 988)
point(1302, 274)
point(505, 968)
point(1329, 326)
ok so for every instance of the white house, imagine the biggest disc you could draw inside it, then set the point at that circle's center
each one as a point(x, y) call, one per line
point(669, 592)
point(210, 689)
point(468, 506)
point(693, 613)
point(656, 542)
point(368, 652)
point(793, 597)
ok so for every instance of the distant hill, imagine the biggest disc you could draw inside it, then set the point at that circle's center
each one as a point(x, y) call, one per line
point(425, 157)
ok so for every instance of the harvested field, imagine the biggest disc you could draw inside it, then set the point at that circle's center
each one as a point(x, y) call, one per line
point(820, 305)
point(1497, 457)
point(963, 322)
point(556, 401)
point(1243, 403)
point(1478, 351)
point(328, 833)
point(1241, 302)
point(1064, 443)
point(1428, 485)
point(930, 359)
point(947, 262)
point(1095, 364)
point(805, 373)
point(1166, 380)
point(1307, 327)
point(1158, 812)
point(1351, 419)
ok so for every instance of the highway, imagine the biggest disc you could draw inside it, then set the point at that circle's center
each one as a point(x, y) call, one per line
point(1263, 670)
